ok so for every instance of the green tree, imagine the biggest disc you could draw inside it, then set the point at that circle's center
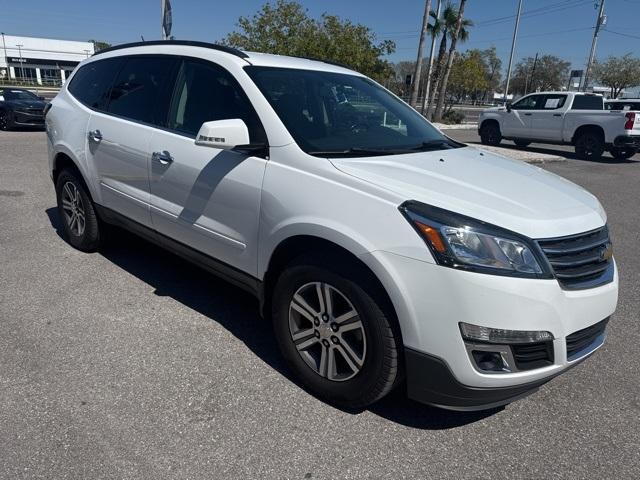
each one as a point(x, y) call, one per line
point(618, 73)
point(285, 28)
point(493, 67)
point(99, 45)
point(468, 78)
point(551, 73)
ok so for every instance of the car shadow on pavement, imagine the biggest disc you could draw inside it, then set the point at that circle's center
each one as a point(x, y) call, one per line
point(237, 311)
point(606, 158)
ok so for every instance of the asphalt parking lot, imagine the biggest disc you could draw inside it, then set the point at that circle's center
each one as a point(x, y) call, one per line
point(130, 363)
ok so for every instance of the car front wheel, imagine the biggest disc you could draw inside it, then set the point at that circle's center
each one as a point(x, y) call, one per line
point(335, 331)
point(490, 134)
point(5, 120)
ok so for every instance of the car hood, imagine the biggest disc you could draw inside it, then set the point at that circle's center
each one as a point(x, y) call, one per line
point(495, 189)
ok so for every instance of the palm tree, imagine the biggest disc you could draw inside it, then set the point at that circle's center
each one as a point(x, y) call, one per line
point(458, 32)
point(446, 26)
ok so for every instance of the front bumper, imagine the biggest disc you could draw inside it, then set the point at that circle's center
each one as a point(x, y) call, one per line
point(431, 300)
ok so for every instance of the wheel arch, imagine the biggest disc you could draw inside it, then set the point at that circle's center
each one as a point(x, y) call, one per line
point(298, 245)
point(587, 128)
point(64, 159)
point(488, 121)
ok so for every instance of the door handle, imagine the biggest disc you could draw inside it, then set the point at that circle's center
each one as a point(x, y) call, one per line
point(557, 114)
point(163, 157)
point(95, 135)
point(528, 114)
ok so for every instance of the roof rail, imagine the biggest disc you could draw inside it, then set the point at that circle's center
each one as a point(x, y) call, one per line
point(212, 46)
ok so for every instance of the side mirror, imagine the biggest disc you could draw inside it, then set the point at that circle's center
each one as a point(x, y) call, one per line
point(223, 134)
point(41, 98)
point(508, 105)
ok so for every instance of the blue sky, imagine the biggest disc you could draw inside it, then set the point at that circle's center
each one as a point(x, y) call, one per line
point(559, 27)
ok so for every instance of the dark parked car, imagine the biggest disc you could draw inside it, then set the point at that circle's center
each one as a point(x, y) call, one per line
point(20, 108)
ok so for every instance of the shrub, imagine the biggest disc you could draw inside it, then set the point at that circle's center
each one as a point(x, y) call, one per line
point(453, 117)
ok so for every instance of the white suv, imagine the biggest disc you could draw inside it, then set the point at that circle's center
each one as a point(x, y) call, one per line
point(382, 251)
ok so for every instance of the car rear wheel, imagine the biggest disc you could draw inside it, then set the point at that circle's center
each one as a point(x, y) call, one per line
point(521, 143)
point(589, 145)
point(5, 120)
point(490, 134)
point(335, 332)
point(79, 220)
point(622, 153)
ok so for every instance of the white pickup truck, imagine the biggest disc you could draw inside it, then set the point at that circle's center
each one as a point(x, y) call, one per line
point(568, 118)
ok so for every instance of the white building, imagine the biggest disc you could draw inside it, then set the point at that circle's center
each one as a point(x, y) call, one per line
point(43, 61)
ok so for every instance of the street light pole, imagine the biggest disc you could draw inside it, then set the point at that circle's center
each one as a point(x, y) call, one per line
point(513, 47)
point(592, 54)
point(20, 45)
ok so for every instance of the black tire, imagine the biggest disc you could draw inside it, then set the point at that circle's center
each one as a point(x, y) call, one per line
point(490, 134)
point(5, 120)
point(589, 145)
point(87, 240)
point(622, 153)
point(521, 143)
point(381, 366)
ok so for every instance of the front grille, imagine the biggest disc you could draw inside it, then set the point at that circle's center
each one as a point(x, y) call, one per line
point(532, 355)
point(578, 343)
point(580, 261)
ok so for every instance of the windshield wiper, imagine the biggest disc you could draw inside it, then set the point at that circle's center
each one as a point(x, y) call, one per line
point(356, 151)
point(435, 145)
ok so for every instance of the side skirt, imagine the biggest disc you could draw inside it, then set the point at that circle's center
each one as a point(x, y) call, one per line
point(220, 269)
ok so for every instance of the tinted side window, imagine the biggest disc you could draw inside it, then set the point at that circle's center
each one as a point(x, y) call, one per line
point(140, 89)
point(587, 102)
point(528, 103)
point(205, 92)
point(91, 84)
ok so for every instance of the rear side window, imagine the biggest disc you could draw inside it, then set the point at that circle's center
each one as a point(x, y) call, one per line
point(140, 91)
point(587, 102)
point(205, 92)
point(91, 83)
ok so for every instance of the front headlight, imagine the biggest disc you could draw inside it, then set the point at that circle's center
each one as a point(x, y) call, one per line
point(462, 242)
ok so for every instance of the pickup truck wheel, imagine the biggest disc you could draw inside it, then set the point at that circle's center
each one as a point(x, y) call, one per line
point(5, 120)
point(335, 333)
point(521, 143)
point(80, 223)
point(589, 146)
point(622, 153)
point(490, 134)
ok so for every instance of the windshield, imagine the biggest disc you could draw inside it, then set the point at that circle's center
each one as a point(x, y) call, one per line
point(332, 114)
point(18, 95)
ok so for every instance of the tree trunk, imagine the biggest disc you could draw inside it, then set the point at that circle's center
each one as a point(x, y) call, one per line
point(442, 51)
point(452, 52)
point(418, 71)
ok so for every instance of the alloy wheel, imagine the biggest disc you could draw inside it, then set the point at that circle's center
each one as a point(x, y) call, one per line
point(73, 208)
point(327, 331)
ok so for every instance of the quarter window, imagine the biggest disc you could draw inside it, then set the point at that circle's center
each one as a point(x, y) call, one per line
point(205, 92)
point(140, 89)
point(91, 83)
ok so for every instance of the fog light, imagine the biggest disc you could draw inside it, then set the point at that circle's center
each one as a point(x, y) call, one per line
point(490, 361)
point(477, 333)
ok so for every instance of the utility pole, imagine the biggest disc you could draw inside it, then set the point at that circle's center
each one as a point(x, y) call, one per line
point(530, 78)
point(20, 45)
point(418, 70)
point(162, 35)
point(427, 88)
point(599, 22)
point(513, 48)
